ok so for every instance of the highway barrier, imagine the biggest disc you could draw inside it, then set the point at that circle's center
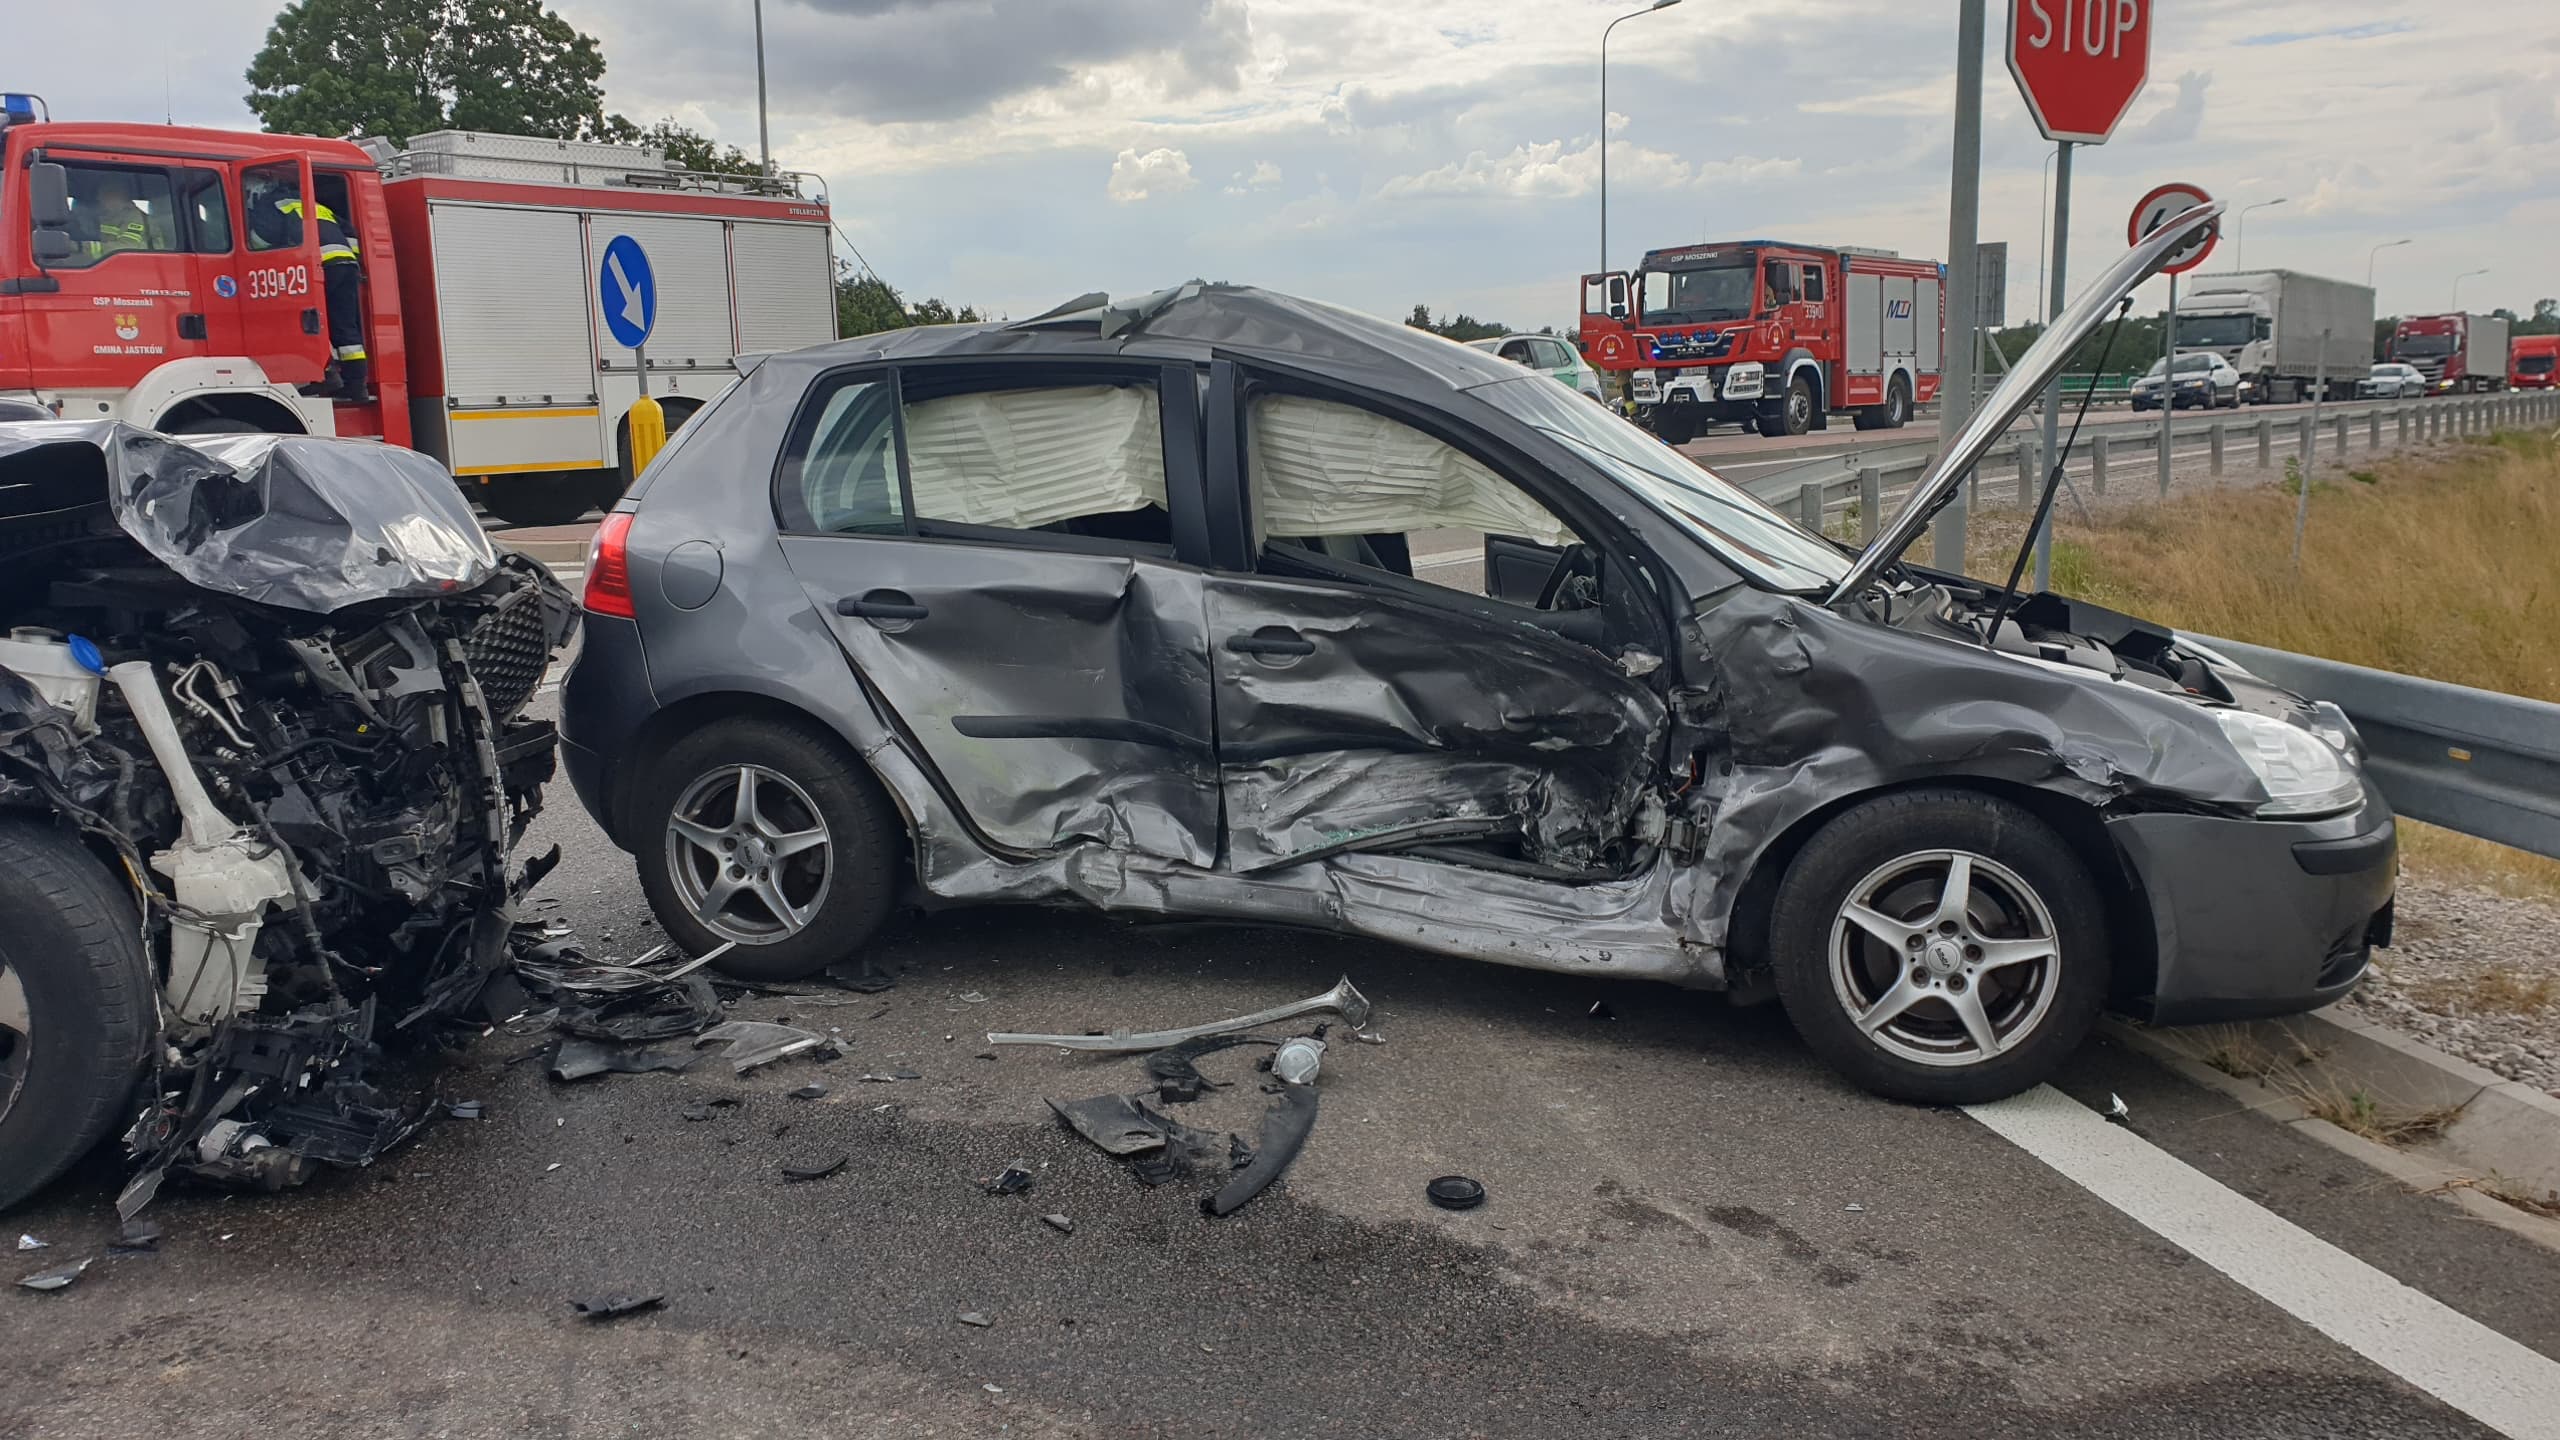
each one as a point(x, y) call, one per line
point(1854, 489)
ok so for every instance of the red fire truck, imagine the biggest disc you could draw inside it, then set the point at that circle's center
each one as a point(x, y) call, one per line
point(1768, 335)
point(148, 281)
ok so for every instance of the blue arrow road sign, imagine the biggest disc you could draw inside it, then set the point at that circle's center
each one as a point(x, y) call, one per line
point(628, 292)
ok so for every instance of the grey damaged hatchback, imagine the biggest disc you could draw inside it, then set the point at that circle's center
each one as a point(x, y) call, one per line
point(1220, 603)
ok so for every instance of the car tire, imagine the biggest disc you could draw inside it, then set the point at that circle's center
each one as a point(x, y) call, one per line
point(215, 425)
point(1892, 857)
point(836, 892)
point(1793, 414)
point(75, 1005)
point(542, 499)
point(1897, 403)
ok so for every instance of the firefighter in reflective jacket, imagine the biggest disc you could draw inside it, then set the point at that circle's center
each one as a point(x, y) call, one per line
point(341, 279)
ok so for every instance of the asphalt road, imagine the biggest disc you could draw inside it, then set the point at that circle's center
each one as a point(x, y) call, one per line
point(1693, 1229)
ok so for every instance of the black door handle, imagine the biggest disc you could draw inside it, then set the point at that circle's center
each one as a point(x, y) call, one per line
point(881, 605)
point(191, 326)
point(1271, 640)
point(310, 322)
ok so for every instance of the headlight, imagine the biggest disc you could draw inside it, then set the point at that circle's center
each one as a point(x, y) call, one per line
point(1748, 372)
point(2305, 774)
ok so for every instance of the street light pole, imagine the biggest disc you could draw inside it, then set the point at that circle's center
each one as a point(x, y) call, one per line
point(1961, 359)
point(2239, 239)
point(2377, 250)
point(2457, 287)
point(1604, 120)
point(764, 136)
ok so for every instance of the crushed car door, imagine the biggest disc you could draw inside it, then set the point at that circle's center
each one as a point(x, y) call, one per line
point(1370, 695)
point(992, 547)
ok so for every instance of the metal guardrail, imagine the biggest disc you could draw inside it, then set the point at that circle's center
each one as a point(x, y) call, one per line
point(1863, 484)
point(2476, 761)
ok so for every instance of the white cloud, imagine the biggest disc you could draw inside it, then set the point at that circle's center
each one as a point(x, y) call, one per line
point(1263, 176)
point(1161, 171)
point(2183, 116)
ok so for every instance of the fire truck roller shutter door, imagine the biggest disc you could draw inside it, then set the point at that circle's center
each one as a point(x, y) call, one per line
point(512, 297)
point(1901, 322)
point(689, 259)
point(1865, 351)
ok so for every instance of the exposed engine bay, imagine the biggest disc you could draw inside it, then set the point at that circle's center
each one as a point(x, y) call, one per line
point(277, 685)
point(2051, 628)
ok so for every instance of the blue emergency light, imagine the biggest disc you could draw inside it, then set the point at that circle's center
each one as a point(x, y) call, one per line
point(17, 109)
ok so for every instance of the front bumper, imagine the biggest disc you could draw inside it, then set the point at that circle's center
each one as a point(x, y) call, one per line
point(2260, 917)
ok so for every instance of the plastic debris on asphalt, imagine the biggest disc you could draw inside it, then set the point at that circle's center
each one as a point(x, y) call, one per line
point(818, 1171)
point(814, 1090)
point(1059, 1223)
point(56, 1278)
point(974, 1319)
point(607, 1307)
point(135, 1237)
point(29, 1242)
point(1455, 1192)
point(1011, 1180)
point(761, 1042)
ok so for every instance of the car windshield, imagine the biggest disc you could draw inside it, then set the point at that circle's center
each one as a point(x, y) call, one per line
point(2387, 372)
point(2219, 331)
point(2534, 364)
point(1715, 292)
point(1764, 544)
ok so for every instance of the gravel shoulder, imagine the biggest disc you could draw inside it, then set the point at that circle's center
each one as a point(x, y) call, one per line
point(2473, 973)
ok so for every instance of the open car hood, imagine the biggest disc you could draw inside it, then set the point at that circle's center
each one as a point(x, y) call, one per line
point(2027, 379)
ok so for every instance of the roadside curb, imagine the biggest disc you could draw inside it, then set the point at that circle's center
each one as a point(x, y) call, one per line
point(2504, 1129)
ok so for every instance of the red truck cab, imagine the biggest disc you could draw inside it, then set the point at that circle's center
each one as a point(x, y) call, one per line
point(155, 279)
point(2531, 360)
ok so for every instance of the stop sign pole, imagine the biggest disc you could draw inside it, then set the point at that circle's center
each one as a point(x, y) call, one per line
point(2079, 64)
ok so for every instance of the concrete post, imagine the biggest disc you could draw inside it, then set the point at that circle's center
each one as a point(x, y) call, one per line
point(2373, 430)
point(1870, 502)
point(2306, 442)
point(1809, 506)
point(2342, 437)
point(2266, 442)
point(2404, 424)
point(2026, 472)
point(2098, 463)
point(2217, 447)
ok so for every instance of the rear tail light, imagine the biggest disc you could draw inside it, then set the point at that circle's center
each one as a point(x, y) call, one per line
point(609, 568)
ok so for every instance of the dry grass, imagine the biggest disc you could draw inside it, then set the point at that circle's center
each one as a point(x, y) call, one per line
point(2237, 1051)
point(2489, 992)
point(2359, 1111)
point(2545, 1203)
point(2441, 565)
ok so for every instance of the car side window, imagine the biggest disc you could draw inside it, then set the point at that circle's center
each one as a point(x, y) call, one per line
point(1362, 489)
point(842, 479)
point(1516, 351)
point(1559, 355)
point(118, 208)
point(1078, 460)
point(930, 455)
point(1812, 282)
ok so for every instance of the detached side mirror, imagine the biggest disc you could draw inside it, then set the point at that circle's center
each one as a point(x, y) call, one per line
point(49, 196)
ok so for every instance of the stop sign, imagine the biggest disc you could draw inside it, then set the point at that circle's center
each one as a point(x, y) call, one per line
point(2079, 63)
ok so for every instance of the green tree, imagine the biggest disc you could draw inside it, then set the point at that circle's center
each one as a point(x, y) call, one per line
point(399, 68)
point(2545, 321)
point(687, 147)
point(1420, 319)
point(867, 305)
point(1456, 327)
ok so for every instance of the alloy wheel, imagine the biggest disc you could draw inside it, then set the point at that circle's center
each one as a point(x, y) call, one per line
point(1945, 957)
point(749, 853)
point(17, 1037)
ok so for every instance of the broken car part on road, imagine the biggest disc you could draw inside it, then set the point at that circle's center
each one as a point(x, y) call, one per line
point(1119, 605)
point(263, 762)
point(1343, 999)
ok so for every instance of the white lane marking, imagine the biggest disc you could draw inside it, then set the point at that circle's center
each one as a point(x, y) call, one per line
point(2494, 1380)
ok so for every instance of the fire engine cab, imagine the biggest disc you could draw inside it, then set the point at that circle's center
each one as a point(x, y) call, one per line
point(1769, 336)
point(162, 275)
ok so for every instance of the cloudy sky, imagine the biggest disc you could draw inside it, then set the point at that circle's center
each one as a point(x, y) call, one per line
point(1010, 153)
